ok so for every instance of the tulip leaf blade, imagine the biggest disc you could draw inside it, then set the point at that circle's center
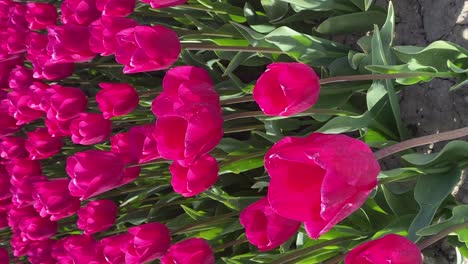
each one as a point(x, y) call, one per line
point(350, 23)
point(454, 152)
point(459, 216)
point(430, 191)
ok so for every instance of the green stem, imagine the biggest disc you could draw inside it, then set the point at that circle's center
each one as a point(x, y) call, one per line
point(230, 244)
point(200, 8)
point(303, 252)
point(212, 220)
point(307, 112)
point(203, 46)
point(335, 259)
point(420, 141)
point(242, 129)
point(433, 239)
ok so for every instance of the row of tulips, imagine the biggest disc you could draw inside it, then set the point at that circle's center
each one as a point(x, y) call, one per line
point(189, 125)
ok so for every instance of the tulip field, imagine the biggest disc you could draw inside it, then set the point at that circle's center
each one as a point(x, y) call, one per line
point(220, 131)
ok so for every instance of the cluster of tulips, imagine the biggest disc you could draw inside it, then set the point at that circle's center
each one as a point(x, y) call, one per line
point(318, 180)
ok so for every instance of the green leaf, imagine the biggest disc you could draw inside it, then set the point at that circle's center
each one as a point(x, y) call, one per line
point(275, 9)
point(194, 214)
point(400, 204)
point(454, 152)
point(459, 216)
point(426, 72)
point(259, 22)
point(363, 4)
point(435, 55)
point(430, 191)
point(242, 165)
point(351, 23)
point(305, 48)
point(319, 5)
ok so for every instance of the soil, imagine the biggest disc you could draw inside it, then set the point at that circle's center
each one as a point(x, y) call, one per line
point(430, 108)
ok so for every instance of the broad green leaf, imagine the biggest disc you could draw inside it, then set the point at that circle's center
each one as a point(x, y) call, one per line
point(351, 23)
point(454, 152)
point(400, 204)
point(255, 39)
point(231, 145)
point(435, 55)
point(459, 216)
point(194, 214)
point(363, 4)
point(305, 48)
point(319, 5)
point(259, 22)
point(426, 72)
point(275, 9)
point(430, 192)
point(242, 165)
point(398, 226)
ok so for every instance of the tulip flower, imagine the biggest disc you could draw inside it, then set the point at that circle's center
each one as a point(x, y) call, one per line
point(37, 228)
point(103, 33)
point(147, 48)
point(189, 251)
point(69, 43)
point(90, 128)
point(77, 249)
point(94, 172)
point(41, 145)
point(113, 247)
point(264, 227)
point(320, 179)
point(97, 216)
point(4, 257)
point(115, 8)
point(286, 88)
point(67, 103)
point(194, 178)
point(79, 12)
point(387, 249)
point(12, 148)
point(52, 198)
point(40, 15)
point(116, 99)
point(164, 3)
point(20, 78)
point(150, 241)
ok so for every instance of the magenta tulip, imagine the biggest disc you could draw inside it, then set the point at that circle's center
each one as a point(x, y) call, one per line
point(320, 179)
point(41, 145)
point(79, 12)
point(391, 248)
point(77, 249)
point(90, 128)
point(8, 124)
point(116, 8)
point(114, 247)
point(57, 128)
point(188, 134)
point(264, 227)
point(12, 148)
point(22, 168)
point(150, 241)
point(286, 88)
point(147, 48)
point(67, 103)
point(19, 107)
point(53, 199)
point(94, 172)
point(22, 189)
point(69, 43)
point(20, 78)
point(4, 183)
point(40, 252)
point(4, 257)
point(40, 15)
point(185, 85)
point(190, 251)
point(164, 3)
point(97, 216)
point(37, 228)
point(116, 99)
point(196, 177)
point(103, 33)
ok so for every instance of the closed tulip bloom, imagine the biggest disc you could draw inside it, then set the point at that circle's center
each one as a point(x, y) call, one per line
point(40, 15)
point(67, 103)
point(97, 216)
point(19, 245)
point(391, 248)
point(116, 8)
point(150, 241)
point(53, 199)
point(4, 257)
point(90, 128)
point(79, 12)
point(40, 252)
point(6, 65)
point(20, 78)
point(21, 168)
point(116, 99)
point(194, 178)
point(103, 33)
point(286, 88)
point(164, 3)
point(142, 137)
point(114, 247)
point(12, 148)
point(20, 109)
point(265, 228)
point(8, 124)
point(22, 190)
point(4, 183)
point(191, 132)
point(185, 85)
point(147, 48)
point(69, 43)
point(37, 228)
point(320, 179)
point(41, 145)
point(77, 249)
point(17, 215)
point(94, 172)
point(57, 128)
point(190, 251)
